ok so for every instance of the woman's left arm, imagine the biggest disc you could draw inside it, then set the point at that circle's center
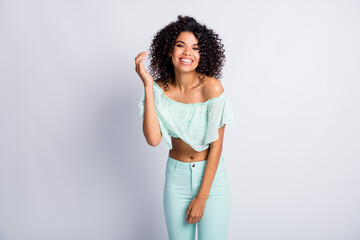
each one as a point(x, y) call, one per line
point(211, 166)
point(197, 206)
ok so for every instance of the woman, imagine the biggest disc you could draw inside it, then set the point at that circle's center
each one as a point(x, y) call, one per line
point(188, 107)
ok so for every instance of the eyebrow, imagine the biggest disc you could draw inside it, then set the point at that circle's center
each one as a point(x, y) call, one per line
point(184, 43)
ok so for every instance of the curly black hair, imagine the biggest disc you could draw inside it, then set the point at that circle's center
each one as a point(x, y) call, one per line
point(212, 52)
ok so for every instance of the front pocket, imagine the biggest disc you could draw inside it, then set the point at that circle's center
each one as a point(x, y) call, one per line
point(170, 170)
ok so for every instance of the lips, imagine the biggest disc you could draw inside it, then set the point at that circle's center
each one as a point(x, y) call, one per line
point(186, 61)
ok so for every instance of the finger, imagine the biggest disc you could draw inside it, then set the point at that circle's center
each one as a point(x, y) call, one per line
point(188, 215)
point(192, 219)
point(139, 64)
point(140, 55)
point(137, 58)
point(141, 61)
point(196, 219)
point(188, 211)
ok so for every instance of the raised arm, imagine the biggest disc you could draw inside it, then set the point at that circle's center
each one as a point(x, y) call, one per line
point(151, 128)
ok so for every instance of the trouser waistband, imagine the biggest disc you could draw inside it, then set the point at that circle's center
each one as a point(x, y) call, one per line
point(181, 164)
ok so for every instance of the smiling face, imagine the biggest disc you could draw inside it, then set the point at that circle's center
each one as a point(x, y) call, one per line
point(185, 55)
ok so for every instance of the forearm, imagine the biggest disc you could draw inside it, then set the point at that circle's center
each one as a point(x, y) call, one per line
point(212, 163)
point(151, 127)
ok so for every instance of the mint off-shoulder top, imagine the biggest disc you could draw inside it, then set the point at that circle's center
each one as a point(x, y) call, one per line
point(197, 124)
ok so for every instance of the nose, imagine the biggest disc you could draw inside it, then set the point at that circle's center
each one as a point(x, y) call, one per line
point(186, 51)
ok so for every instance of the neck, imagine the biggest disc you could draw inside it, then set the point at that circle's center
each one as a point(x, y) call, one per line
point(186, 80)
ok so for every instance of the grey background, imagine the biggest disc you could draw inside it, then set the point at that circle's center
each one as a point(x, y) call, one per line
point(75, 165)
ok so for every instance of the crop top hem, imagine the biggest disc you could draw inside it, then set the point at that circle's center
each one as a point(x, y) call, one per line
point(197, 124)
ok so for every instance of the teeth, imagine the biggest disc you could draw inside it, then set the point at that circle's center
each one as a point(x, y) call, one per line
point(186, 60)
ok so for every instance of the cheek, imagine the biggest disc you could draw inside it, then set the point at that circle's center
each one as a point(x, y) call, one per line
point(198, 58)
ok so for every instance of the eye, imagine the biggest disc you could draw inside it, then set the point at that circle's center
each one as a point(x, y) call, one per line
point(179, 45)
point(196, 48)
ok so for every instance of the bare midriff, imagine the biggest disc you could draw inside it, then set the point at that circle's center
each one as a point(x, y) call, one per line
point(184, 152)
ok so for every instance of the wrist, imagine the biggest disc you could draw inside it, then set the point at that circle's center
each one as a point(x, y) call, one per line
point(148, 87)
point(202, 197)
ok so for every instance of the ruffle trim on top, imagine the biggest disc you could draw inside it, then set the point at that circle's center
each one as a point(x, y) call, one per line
point(219, 113)
point(157, 100)
point(222, 95)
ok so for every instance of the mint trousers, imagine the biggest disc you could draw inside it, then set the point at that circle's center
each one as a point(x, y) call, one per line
point(182, 183)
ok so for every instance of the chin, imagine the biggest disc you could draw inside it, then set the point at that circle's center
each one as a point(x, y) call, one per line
point(186, 69)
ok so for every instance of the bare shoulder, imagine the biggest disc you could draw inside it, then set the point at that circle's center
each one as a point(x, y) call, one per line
point(212, 88)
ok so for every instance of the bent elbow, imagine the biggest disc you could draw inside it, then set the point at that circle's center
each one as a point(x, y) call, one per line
point(153, 139)
point(153, 142)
